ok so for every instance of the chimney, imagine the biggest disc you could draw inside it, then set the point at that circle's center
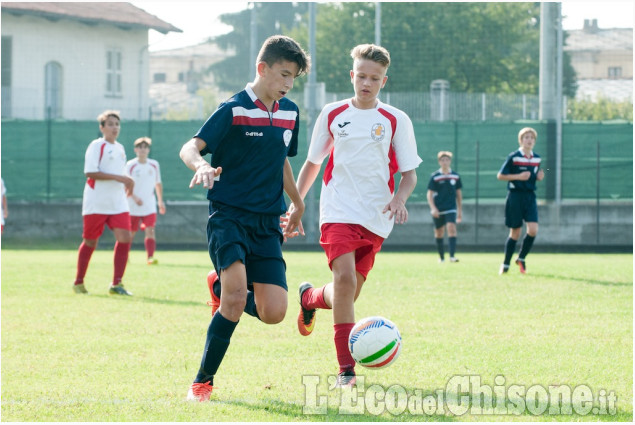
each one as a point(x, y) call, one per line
point(590, 26)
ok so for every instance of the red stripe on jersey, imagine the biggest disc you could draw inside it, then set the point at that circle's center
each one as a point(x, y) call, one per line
point(132, 168)
point(101, 150)
point(90, 181)
point(288, 124)
point(335, 112)
point(393, 166)
point(263, 122)
point(525, 162)
point(260, 105)
point(328, 170)
point(392, 119)
point(256, 122)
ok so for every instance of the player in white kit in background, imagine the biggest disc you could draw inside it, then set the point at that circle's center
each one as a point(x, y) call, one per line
point(143, 203)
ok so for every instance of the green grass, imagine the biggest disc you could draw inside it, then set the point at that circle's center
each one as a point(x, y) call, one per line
point(67, 357)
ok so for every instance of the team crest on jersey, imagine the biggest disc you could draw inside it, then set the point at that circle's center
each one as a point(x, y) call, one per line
point(378, 132)
point(452, 182)
point(286, 136)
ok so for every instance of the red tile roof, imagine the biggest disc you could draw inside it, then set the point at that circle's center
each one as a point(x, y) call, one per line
point(116, 13)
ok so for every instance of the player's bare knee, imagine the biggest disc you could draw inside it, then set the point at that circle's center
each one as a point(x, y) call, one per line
point(272, 315)
point(234, 300)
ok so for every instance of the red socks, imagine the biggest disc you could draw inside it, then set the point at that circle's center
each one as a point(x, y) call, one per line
point(314, 298)
point(344, 358)
point(121, 260)
point(150, 245)
point(85, 252)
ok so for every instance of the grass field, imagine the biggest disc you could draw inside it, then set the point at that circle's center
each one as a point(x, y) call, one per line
point(569, 323)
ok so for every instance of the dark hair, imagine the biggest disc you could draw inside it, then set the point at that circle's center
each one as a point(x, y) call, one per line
point(279, 47)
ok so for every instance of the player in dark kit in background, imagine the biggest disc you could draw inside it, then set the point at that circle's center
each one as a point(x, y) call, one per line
point(521, 170)
point(249, 137)
point(445, 199)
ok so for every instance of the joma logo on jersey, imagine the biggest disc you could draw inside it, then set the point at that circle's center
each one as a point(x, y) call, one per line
point(378, 132)
point(253, 133)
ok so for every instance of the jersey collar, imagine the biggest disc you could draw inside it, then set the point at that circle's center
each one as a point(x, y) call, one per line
point(258, 102)
point(531, 154)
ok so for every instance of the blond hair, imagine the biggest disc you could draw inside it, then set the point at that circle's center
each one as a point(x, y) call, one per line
point(371, 52)
point(444, 153)
point(526, 130)
point(140, 140)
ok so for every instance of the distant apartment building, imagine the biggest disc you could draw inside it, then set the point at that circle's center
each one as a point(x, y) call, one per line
point(177, 75)
point(603, 60)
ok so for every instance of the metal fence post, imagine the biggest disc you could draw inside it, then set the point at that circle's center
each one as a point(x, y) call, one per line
point(597, 195)
point(150, 121)
point(476, 182)
point(49, 135)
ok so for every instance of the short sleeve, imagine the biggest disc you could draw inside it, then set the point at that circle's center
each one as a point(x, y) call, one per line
point(215, 128)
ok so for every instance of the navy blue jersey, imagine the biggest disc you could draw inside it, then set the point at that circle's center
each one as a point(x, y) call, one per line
point(251, 144)
point(444, 187)
point(517, 163)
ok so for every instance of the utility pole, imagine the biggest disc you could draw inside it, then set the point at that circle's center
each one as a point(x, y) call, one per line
point(378, 23)
point(311, 210)
point(549, 98)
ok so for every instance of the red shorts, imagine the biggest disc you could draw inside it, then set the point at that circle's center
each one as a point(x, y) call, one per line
point(338, 239)
point(146, 221)
point(94, 223)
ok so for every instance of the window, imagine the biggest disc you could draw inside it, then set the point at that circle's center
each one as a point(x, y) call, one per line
point(181, 77)
point(159, 77)
point(615, 71)
point(6, 76)
point(113, 73)
point(53, 90)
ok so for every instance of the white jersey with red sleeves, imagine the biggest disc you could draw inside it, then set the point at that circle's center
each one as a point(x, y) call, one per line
point(146, 176)
point(104, 196)
point(366, 147)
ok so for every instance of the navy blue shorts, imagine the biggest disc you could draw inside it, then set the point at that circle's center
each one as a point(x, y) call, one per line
point(520, 205)
point(443, 219)
point(254, 239)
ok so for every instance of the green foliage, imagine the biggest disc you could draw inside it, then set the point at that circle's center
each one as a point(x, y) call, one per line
point(477, 47)
point(272, 18)
point(601, 109)
point(76, 358)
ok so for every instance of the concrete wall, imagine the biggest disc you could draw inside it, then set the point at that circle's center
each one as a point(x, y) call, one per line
point(572, 226)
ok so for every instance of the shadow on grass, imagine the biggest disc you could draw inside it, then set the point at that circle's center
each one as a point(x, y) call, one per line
point(333, 414)
point(135, 298)
point(583, 280)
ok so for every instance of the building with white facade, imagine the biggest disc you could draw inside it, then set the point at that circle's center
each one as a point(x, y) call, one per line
point(73, 60)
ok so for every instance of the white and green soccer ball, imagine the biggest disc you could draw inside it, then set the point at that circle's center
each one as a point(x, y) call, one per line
point(375, 342)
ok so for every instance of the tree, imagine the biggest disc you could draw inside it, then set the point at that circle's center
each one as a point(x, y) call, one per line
point(477, 47)
point(232, 73)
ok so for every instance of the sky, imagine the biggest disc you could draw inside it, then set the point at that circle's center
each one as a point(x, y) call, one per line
point(199, 19)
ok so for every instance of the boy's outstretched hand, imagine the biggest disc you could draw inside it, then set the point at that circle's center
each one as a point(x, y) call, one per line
point(205, 175)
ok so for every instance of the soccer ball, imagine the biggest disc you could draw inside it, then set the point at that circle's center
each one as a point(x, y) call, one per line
point(374, 342)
